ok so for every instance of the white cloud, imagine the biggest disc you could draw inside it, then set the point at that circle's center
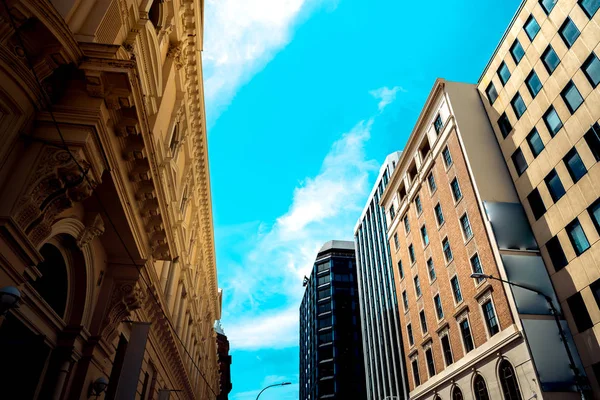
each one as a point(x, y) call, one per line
point(385, 95)
point(241, 37)
point(278, 330)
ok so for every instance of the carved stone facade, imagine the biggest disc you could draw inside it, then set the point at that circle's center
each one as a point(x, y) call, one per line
point(105, 213)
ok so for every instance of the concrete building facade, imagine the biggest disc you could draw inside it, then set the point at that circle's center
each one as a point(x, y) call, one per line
point(105, 209)
point(331, 360)
point(447, 207)
point(540, 91)
point(382, 347)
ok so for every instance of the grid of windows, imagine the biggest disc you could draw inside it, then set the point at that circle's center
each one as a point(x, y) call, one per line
point(456, 193)
point(589, 7)
point(569, 32)
point(504, 125)
point(417, 286)
point(535, 142)
point(577, 237)
point(447, 157)
point(519, 161)
point(518, 105)
point(550, 59)
point(476, 267)
point(465, 331)
point(411, 253)
point(536, 203)
point(491, 93)
point(439, 216)
point(517, 52)
point(424, 235)
point(572, 97)
point(574, 165)
point(431, 182)
point(552, 121)
point(439, 311)
point(431, 269)
point(533, 84)
point(490, 317)
point(447, 350)
point(418, 205)
point(555, 186)
point(456, 289)
point(503, 73)
point(466, 227)
point(447, 250)
point(591, 69)
point(532, 28)
point(438, 124)
point(423, 321)
point(547, 5)
point(556, 253)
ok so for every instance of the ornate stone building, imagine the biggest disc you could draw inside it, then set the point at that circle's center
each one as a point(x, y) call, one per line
point(105, 206)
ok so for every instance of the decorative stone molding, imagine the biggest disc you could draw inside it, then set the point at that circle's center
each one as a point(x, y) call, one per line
point(176, 54)
point(94, 227)
point(126, 297)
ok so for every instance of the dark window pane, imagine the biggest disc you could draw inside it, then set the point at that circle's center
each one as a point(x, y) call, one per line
point(465, 331)
point(447, 250)
point(503, 73)
point(508, 381)
point(411, 253)
point(405, 300)
point(491, 93)
point(504, 125)
point(430, 363)
point(438, 306)
point(396, 242)
point(415, 368)
point(431, 181)
point(423, 321)
point(552, 121)
point(439, 216)
point(557, 256)
point(579, 311)
point(574, 165)
point(517, 51)
point(533, 84)
point(401, 269)
point(550, 59)
point(555, 186)
point(406, 224)
point(590, 6)
point(480, 388)
point(417, 286)
point(572, 97)
point(392, 212)
point(447, 350)
point(476, 266)
point(518, 105)
point(456, 193)
point(535, 142)
point(536, 203)
point(532, 28)
point(431, 269)
point(569, 32)
point(594, 211)
point(466, 226)
point(411, 339)
point(595, 288)
point(519, 160)
point(577, 237)
point(490, 318)
point(548, 5)
point(418, 205)
point(456, 289)
point(438, 124)
point(591, 68)
point(447, 157)
point(592, 138)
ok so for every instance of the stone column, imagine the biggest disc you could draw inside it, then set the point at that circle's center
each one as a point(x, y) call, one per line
point(164, 275)
point(180, 315)
point(177, 303)
point(173, 283)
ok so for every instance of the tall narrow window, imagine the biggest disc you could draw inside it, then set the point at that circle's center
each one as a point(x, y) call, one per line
point(508, 381)
point(476, 267)
point(555, 186)
point(456, 193)
point(439, 311)
point(490, 317)
point(405, 300)
point(519, 161)
point(396, 242)
point(439, 216)
point(447, 157)
point(174, 142)
point(431, 269)
point(503, 73)
point(466, 227)
point(457, 394)
point(569, 32)
point(592, 138)
point(411, 339)
point(535, 142)
point(447, 250)
point(418, 205)
point(491, 93)
point(400, 269)
point(572, 97)
point(431, 182)
point(415, 368)
point(556, 253)
point(579, 311)
point(480, 389)
point(424, 236)
point(406, 224)
point(423, 321)
point(577, 237)
point(591, 68)
point(517, 52)
point(430, 363)
point(465, 332)
point(456, 289)
point(552, 121)
point(536, 203)
point(447, 350)
point(411, 254)
point(550, 59)
point(417, 286)
point(392, 213)
point(438, 124)
point(531, 27)
point(574, 165)
point(504, 125)
point(533, 84)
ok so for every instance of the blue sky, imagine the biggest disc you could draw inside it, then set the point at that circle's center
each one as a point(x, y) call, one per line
point(304, 100)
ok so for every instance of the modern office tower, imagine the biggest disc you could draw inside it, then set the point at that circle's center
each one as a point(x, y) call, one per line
point(331, 360)
point(540, 90)
point(382, 346)
point(451, 211)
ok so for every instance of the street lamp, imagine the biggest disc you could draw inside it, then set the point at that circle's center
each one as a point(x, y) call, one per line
point(9, 299)
point(277, 384)
point(555, 313)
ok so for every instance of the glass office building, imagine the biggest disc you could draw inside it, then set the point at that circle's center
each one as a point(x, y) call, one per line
point(331, 361)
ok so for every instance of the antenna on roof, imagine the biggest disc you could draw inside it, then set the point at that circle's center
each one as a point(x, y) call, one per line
point(305, 281)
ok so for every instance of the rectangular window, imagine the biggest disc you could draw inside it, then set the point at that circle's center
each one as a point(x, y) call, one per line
point(396, 242)
point(415, 368)
point(594, 211)
point(417, 286)
point(439, 311)
point(491, 93)
point(535, 142)
point(423, 321)
point(424, 235)
point(595, 288)
point(580, 313)
point(447, 157)
point(533, 84)
point(418, 205)
point(503, 73)
point(447, 350)
point(574, 165)
point(456, 289)
point(431, 269)
point(465, 331)
point(552, 121)
point(411, 339)
point(532, 28)
point(592, 138)
point(476, 267)
point(517, 52)
point(518, 105)
point(591, 69)
point(547, 5)
point(555, 186)
point(577, 237)
point(411, 254)
point(550, 59)
point(504, 125)
point(400, 269)
point(430, 363)
point(406, 224)
point(431, 182)
point(556, 253)
point(447, 250)
point(405, 300)
point(569, 32)
point(439, 216)
point(438, 124)
point(324, 293)
point(589, 7)
point(392, 213)
point(466, 227)
point(456, 193)
point(571, 97)
point(537, 204)
point(323, 280)
point(518, 160)
point(490, 318)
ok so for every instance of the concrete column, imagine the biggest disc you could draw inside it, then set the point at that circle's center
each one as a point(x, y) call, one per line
point(172, 284)
point(177, 303)
point(180, 315)
point(60, 379)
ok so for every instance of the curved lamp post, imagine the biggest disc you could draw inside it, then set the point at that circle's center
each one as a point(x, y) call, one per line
point(277, 384)
point(9, 299)
point(555, 314)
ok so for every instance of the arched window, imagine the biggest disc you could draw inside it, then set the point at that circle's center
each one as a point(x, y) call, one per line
point(508, 381)
point(480, 388)
point(53, 285)
point(437, 398)
point(155, 14)
point(457, 393)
